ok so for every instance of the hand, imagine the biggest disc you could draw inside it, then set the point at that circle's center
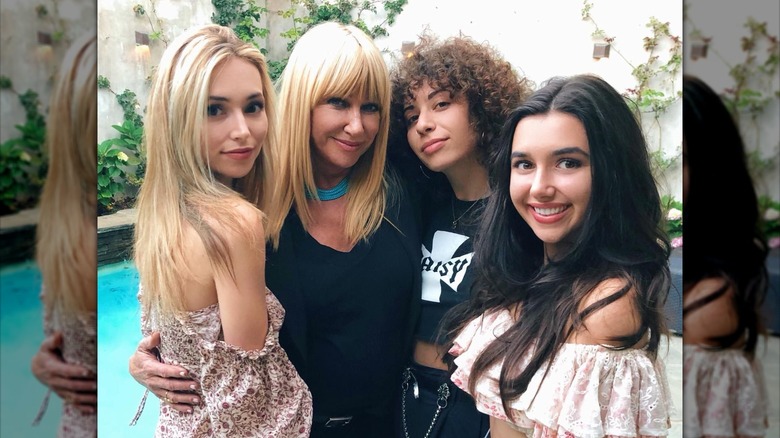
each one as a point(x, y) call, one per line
point(170, 383)
point(75, 384)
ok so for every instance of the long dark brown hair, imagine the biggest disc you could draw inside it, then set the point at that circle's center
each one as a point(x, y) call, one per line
point(621, 238)
point(715, 156)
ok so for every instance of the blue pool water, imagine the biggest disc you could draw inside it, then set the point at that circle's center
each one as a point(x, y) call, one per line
point(118, 335)
point(21, 333)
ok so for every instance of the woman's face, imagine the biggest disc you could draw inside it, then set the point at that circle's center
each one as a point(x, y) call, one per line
point(237, 123)
point(550, 179)
point(343, 128)
point(438, 128)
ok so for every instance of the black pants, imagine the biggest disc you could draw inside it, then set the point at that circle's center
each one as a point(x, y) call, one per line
point(458, 419)
point(361, 426)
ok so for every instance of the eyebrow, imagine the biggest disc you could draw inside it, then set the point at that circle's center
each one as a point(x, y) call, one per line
point(430, 96)
point(557, 152)
point(225, 99)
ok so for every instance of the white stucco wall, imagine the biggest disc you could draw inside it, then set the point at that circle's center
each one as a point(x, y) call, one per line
point(24, 63)
point(724, 21)
point(541, 39)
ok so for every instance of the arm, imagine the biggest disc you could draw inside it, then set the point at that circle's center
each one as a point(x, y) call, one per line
point(502, 429)
point(161, 379)
point(73, 383)
point(242, 304)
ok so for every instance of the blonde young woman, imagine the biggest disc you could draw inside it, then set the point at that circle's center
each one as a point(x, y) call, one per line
point(344, 252)
point(66, 240)
point(199, 244)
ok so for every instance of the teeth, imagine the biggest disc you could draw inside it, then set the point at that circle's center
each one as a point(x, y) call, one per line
point(549, 211)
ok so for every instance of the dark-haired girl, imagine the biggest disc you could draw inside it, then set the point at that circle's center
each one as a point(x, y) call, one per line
point(562, 336)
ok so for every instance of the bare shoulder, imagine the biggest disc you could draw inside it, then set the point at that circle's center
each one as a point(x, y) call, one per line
point(718, 317)
point(617, 318)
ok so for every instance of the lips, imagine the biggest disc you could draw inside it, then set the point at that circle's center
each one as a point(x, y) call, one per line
point(547, 214)
point(346, 144)
point(433, 145)
point(239, 154)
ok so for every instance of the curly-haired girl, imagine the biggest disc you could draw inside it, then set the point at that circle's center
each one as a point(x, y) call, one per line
point(450, 99)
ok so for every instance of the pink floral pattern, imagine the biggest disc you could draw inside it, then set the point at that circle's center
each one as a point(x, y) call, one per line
point(244, 393)
point(79, 347)
point(724, 394)
point(590, 390)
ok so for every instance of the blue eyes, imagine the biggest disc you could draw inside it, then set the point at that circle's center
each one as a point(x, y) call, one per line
point(214, 110)
point(218, 109)
point(340, 103)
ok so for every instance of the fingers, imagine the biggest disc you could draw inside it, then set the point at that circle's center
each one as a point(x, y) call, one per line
point(159, 385)
point(73, 385)
point(182, 402)
point(49, 368)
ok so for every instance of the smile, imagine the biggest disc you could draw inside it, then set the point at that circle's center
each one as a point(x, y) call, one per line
point(549, 211)
point(548, 215)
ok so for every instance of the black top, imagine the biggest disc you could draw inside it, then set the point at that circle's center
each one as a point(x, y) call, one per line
point(349, 316)
point(446, 260)
point(355, 303)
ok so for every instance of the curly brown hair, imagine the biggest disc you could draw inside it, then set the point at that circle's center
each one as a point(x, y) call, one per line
point(466, 68)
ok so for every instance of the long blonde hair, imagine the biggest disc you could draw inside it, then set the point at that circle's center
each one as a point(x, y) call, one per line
point(65, 237)
point(331, 59)
point(179, 186)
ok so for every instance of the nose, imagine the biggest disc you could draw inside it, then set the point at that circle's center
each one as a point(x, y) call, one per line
point(354, 124)
point(542, 186)
point(240, 129)
point(424, 123)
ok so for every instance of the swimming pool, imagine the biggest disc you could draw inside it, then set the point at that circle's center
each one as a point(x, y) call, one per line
point(21, 333)
point(118, 335)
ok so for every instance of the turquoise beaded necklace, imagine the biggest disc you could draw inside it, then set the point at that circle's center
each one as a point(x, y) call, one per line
point(330, 194)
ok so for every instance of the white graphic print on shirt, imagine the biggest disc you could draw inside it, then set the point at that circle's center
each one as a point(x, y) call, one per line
point(440, 268)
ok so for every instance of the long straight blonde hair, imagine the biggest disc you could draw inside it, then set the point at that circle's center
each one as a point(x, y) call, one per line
point(179, 186)
point(66, 250)
point(331, 59)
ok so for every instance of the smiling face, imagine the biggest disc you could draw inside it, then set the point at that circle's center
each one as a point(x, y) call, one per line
point(236, 120)
point(550, 182)
point(342, 130)
point(439, 129)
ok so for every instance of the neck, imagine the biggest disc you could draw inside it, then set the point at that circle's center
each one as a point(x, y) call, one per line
point(468, 182)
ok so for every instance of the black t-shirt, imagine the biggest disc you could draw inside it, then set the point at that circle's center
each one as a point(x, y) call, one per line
point(356, 309)
point(446, 261)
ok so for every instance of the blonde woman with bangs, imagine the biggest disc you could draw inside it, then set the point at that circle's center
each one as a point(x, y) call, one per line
point(199, 243)
point(66, 244)
point(343, 245)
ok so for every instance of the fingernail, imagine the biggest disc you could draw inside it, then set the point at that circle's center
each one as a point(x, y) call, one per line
point(182, 373)
point(192, 387)
point(195, 400)
point(85, 374)
point(189, 411)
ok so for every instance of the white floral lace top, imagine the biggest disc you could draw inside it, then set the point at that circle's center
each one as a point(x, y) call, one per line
point(724, 394)
point(590, 390)
point(256, 393)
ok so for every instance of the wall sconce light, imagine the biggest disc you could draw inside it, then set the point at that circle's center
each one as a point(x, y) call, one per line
point(699, 49)
point(141, 39)
point(407, 47)
point(44, 50)
point(44, 39)
point(600, 50)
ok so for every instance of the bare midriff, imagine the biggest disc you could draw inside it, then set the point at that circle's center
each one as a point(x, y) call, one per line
point(429, 355)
